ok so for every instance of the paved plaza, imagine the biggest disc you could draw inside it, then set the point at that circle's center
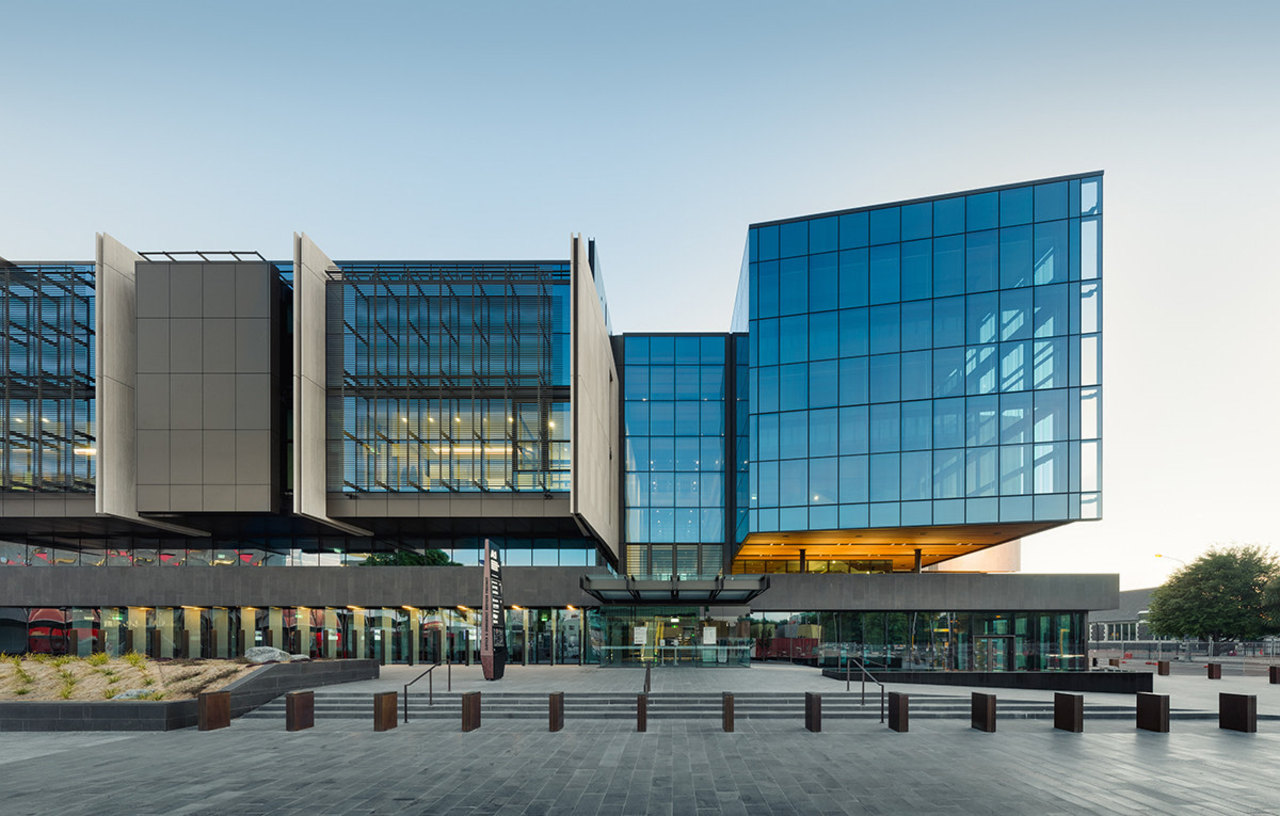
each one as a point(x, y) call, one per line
point(677, 767)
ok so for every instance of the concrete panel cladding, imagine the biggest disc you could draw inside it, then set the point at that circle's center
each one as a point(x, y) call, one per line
point(207, 430)
point(594, 479)
point(116, 365)
point(311, 267)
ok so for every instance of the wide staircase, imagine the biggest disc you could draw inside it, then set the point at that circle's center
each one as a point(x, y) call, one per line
point(334, 705)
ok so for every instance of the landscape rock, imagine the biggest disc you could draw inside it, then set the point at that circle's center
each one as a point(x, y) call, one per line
point(266, 654)
point(132, 694)
point(298, 658)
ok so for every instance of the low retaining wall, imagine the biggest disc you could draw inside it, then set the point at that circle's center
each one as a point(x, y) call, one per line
point(1115, 682)
point(247, 693)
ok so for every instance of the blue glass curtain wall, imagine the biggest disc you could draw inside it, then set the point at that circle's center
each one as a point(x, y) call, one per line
point(936, 362)
point(676, 390)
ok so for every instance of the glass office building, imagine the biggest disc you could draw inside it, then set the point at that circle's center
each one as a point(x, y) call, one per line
point(905, 391)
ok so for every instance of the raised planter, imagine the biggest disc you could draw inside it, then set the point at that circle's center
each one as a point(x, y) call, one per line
point(247, 693)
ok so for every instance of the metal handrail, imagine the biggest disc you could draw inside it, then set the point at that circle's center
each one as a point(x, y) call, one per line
point(431, 699)
point(848, 661)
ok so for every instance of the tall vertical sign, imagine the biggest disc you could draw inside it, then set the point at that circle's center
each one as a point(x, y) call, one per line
point(493, 624)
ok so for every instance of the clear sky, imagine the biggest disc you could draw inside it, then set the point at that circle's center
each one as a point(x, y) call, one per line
point(489, 130)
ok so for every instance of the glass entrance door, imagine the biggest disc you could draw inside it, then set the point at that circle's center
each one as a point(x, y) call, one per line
point(992, 653)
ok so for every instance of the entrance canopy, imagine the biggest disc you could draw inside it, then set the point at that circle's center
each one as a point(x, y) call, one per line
point(630, 589)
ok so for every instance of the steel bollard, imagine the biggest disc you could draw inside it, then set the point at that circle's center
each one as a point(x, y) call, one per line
point(299, 710)
point(727, 712)
point(1238, 712)
point(555, 707)
point(384, 710)
point(642, 712)
point(812, 712)
point(214, 710)
point(899, 710)
point(982, 712)
point(1153, 712)
point(1068, 712)
point(470, 711)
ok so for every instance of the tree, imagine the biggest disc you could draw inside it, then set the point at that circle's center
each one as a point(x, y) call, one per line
point(1228, 593)
point(409, 558)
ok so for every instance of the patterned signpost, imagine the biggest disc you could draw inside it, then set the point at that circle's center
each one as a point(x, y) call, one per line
point(493, 628)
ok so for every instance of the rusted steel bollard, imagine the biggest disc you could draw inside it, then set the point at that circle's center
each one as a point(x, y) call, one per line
point(555, 708)
point(982, 712)
point(1273, 672)
point(470, 711)
point(299, 710)
point(1215, 671)
point(642, 712)
point(1068, 712)
point(899, 709)
point(1162, 668)
point(1153, 712)
point(812, 712)
point(214, 710)
point(1238, 712)
point(727, 711)
point(384, 710)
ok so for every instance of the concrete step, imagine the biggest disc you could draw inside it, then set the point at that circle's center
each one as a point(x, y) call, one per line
point(670, 705)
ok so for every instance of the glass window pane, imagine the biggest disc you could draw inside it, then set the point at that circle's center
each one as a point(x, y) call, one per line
point(884, 226)
point(982, 211)
point(917, 221)
point(853, 230)
point(917, 270)
point(982, 252)
point(854, 278)
point(822, 234)
point(854, 332)
point(793, 239)
point(948, 216)
point(1015, 206)
point(1015, 257)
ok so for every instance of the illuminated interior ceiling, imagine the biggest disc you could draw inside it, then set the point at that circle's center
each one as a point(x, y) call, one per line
point(937, 544)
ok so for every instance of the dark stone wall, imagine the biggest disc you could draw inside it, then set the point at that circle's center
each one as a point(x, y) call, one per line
point(528, 586)
point(949, 592)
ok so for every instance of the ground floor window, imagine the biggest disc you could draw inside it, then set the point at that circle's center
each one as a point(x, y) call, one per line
point(615, 635)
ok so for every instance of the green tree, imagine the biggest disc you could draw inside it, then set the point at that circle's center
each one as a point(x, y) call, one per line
point(409, 558)
point(1225, 594)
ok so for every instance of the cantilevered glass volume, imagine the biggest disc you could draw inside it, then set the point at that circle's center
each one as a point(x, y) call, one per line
point(926, 365)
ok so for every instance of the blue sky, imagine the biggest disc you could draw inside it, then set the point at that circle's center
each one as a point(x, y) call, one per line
point(662, 129)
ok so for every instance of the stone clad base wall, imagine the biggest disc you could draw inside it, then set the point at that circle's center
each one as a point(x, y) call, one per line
point(247, 694)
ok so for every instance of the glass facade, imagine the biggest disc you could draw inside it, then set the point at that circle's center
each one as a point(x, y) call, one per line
point(936, 362)
point(674, 484)
point(925, 640)
point(47, 378)
point(336, 551)
point(390, 635)
point(450, 377)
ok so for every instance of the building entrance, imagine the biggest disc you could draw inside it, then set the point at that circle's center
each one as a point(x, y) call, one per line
point(993, 653)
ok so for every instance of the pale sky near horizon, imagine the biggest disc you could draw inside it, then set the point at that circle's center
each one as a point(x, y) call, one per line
point(416, 131)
